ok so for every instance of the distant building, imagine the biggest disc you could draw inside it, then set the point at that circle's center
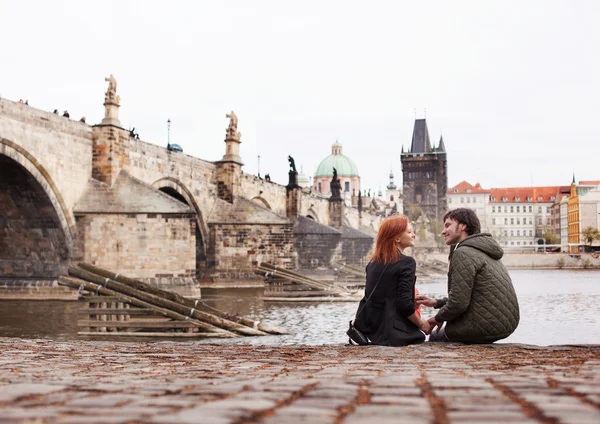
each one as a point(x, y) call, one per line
point(424, 174)
point(465, 195)
point(346, 170)
point(574, 222)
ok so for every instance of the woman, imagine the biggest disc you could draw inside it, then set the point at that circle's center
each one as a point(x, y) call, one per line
point(386, 315)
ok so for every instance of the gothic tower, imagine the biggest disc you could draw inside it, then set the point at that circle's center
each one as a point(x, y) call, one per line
point(424, 174)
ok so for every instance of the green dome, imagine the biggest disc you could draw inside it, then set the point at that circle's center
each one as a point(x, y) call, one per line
point(343, 165)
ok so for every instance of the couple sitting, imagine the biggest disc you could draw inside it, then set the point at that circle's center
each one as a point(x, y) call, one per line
point(481, 306)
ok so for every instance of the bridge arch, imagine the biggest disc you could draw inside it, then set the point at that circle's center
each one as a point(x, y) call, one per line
point(179, 191)
point(34, 218)
point(312, 215)
point(261, 201)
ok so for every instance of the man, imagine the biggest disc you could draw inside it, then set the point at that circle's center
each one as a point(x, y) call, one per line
point(482, 305)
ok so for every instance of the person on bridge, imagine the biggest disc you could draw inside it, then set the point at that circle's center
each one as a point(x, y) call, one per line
point(387, 314)
point(482, 305)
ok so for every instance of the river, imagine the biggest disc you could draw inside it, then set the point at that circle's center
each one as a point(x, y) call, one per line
point(557, 307)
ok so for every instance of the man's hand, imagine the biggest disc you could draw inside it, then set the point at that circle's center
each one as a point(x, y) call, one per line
point(425, 300)
point(434, 324)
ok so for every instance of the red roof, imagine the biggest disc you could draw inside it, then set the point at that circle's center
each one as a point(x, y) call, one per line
point(528, 194)
point(462, 187)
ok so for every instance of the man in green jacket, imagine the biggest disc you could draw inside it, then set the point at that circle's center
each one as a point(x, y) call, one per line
point(482, 305)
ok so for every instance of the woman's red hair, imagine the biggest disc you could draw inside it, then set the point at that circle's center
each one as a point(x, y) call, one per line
point(385, 248)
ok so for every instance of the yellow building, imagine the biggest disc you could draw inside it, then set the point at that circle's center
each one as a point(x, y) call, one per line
point(573, 213)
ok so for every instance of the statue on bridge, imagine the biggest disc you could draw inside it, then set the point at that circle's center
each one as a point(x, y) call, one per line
point(232, 131)
point(111, 94)
point(292, 164)
point(335, 186)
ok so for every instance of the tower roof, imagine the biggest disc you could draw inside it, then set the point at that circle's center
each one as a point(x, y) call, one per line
point(420, 138)
point(441, 147)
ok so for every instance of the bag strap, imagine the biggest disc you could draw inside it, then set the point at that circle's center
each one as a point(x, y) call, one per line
point(374, 288)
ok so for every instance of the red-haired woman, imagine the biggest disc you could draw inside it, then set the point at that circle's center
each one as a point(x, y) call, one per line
point(386, 315)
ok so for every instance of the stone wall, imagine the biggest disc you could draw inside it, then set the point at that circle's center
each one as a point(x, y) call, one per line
point(236, 249)
point(32, 242)
point(140, 246)
point(273, 194)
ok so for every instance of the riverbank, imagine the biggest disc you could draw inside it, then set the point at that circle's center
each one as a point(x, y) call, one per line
point(541, 260)
point(167, 382)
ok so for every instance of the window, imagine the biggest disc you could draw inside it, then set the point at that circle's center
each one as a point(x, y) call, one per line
point(530, 208)
point(468, 200)
point(347, 186)
point(319, 188)
point(474, 200)
point(540, 221)
point(455, 190)
point(518, 221)
point(518, 209)
point(462, 200)
point(539, 209)
point(505, 232)
point(519, 233)
point(512, 209)
point(494, 221)
point(512, 243)
point(512, 221)
point(530, 223)
point(493, 209)
point(512, 233)
point(468, 190)
point(518, 243)
point(530, 243)
point(505, 221)
point(548, 209)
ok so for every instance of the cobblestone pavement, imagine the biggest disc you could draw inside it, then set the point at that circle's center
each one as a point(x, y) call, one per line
point(172, 382)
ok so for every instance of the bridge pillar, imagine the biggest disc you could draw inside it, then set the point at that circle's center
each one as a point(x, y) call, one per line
point(336, 212)
point(293, 197)
point(229, 169)
point(110, 152)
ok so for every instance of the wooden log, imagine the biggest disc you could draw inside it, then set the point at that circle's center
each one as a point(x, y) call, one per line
point(97, 288)
point(165, 303)
point(285, 273)
point(308, 282)
point(140, 324)
point(118, 311)
point(156, 334)
point(191, 303)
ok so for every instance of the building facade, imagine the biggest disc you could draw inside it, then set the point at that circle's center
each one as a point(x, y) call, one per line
point(425, 175)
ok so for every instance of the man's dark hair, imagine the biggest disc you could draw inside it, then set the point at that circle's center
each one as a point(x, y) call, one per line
point(467, 217)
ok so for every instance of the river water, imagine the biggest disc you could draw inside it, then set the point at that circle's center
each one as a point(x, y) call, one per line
point(557, 307)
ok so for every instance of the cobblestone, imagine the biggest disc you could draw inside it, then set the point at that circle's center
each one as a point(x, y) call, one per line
point(47, 381)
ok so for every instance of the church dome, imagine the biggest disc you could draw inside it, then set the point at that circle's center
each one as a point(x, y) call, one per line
point(343, 164)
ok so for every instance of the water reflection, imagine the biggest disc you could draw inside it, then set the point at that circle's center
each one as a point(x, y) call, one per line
point(557, 307)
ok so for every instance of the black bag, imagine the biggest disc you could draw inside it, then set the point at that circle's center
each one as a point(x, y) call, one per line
point(355, 336)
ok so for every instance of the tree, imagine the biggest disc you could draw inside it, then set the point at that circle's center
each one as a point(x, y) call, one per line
point(590, 234)
point(550, 237)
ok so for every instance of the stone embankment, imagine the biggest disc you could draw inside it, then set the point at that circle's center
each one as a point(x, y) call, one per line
point(541, 260)
point(45, 381)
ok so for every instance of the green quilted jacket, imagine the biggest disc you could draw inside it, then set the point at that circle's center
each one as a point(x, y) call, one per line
point(482, 304)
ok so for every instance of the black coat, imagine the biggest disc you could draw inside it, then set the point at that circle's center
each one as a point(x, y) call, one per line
point(384, 318)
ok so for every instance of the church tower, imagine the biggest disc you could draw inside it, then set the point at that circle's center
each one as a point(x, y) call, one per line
point(425, 174)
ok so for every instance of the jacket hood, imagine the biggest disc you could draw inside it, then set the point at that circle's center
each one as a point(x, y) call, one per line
point(484, 242)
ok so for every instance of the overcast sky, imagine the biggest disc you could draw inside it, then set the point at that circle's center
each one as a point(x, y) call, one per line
point(513, 86)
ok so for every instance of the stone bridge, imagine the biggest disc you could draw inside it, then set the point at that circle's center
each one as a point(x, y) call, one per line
point(71, 191)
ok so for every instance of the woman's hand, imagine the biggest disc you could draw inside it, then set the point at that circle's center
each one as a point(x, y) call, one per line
point(425, 327)
point(425, 300)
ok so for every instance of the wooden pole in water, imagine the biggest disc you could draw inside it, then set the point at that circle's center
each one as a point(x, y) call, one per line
point(165, 303)
point(139, 285)
point(101, 289)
